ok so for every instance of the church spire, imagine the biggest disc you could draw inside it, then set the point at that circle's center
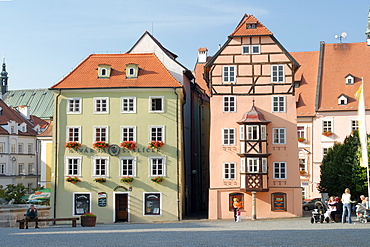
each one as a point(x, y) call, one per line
point(4, 78)
point(368, 29)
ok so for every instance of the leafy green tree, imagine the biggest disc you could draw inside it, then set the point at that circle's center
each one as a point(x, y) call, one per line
point(15, 193)
point(341, 169)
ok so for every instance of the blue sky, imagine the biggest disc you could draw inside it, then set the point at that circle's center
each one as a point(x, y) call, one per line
point(43, 40)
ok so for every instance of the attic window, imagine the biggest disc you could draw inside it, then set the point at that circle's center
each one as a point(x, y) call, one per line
point(104, 71)
point(350, 80)
point(251, 26)
point(132, 70)
point(342, 100)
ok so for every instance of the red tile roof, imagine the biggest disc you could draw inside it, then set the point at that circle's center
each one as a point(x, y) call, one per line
point(152, 73)
point(241, 29)
point(48, 132)
point(38, 121)
point(339, 60)
point(307, 78)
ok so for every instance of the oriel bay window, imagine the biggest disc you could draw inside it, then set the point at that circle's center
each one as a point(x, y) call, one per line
point(152, 204)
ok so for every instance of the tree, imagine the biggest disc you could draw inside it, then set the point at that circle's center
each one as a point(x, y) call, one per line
point(15, 193)
point(341, 169)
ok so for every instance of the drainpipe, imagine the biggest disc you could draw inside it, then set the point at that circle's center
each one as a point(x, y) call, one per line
point(55, 118)
point(177, 156)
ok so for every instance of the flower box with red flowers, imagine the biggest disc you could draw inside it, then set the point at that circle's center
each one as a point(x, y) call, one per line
point(157, 179)
point(100, 180)
point(131, 145)
point(127, 179)
point(74, 145)
point(301, 139)
point(73, 180)
point(100, 145)
point(155, 144)
point(302, 172)
point(327, 133)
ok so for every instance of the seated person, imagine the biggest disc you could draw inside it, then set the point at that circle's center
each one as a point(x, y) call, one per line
point(32, 214)
point(338, 211)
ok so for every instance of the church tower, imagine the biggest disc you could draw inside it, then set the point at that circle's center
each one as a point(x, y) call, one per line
point(368, 29)
point(4, 78)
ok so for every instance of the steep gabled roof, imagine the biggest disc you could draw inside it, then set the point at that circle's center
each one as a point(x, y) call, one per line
point(152, 73)
point(306, 76)
point(241, 29)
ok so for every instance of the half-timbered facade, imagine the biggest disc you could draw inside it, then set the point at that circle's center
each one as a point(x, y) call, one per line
point(253, 150)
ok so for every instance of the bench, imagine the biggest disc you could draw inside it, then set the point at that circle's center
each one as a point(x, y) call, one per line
point(73, 219)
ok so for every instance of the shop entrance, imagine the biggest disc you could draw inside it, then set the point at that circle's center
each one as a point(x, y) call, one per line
point(121, 207)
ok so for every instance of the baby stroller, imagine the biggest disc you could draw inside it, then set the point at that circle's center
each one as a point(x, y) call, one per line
point(362, 213)
point(318, 214)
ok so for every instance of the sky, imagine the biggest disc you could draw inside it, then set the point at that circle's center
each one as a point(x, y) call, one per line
point(43, 40)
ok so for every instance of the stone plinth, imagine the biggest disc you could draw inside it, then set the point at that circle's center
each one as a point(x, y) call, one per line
point(9, 214)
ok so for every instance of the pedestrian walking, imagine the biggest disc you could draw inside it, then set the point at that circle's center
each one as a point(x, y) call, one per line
point(346, 200)
point(238, 215)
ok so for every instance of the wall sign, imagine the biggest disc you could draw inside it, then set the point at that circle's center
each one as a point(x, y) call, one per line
point(102, 199)
point(278, 201)
point(112, 150)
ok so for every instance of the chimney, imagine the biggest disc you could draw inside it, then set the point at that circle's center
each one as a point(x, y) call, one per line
point(25, 111)
point(202, 55)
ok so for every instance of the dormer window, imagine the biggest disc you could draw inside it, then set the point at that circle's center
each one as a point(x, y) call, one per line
point(132, 70)
point(251, 26)
point(104, 71)
point(342, 99)
point(350, 80)
point(23, 127)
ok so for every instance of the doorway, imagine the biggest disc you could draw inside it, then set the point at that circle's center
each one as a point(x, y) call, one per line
point(121, 207)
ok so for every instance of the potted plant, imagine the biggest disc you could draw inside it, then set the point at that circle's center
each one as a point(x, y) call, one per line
point(157, 179)
point(100, 180)
point(131, 145)
point(302, 172)
point(127, 179)
point(155, 144)
point(301, 139)
point(88, 219)
point(100, 145)
point(73, 180)
point(327, 133)
point(74, 145)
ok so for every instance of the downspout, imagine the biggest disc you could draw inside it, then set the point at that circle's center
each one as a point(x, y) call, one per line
point(56, 154)
point(177, 156)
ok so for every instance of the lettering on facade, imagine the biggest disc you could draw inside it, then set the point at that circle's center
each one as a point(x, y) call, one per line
point(113, 150)
point(230, 149)
point(230, 183)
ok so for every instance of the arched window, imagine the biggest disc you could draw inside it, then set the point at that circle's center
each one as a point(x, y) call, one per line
point(131, 71)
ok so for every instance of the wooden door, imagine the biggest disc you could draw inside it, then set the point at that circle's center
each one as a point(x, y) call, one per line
point(121, 207)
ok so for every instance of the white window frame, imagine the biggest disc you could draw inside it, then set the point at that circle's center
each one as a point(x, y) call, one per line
point(32, 170)
point(150, 104)
point(242, 165)
point(327, 127)
point(2, 168)
point(228, 138)
point(228, 78)
point(79, 133)
point(344, 98)
point(264, 165)
point(30, 148)
point(94, 170)
point(250, 49)
point(280, 173)
point(128, 127)
point(133, 166)
point(72, 101)
point(305, 164)
point(74, 202)
point(350, 80)
point(280, 135)
point(150, 133)
point(278, 100)
point(276, 79)
point(2, 147)
point(241, 132)
point(229, 171)
point(96, 105)
point(251, 129)
point(150, 159)
point(301, 133)
point(79, 164)
point(20, 148)
point(133, 104)
point(254, 167)
point(160, 204)
point(101, 127)
point(229, 104)
point(21, 171)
